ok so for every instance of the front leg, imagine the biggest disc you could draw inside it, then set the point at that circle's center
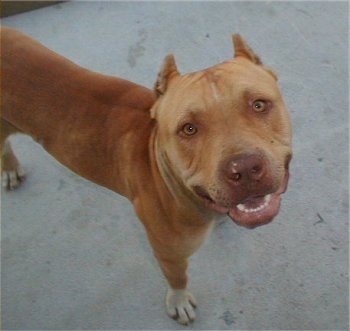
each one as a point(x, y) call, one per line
point(180, 303)
point(173, 242)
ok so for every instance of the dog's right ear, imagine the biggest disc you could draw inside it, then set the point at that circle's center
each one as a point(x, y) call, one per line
point(167, 72)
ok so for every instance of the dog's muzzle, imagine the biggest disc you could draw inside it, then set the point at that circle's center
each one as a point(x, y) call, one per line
point(255, 196)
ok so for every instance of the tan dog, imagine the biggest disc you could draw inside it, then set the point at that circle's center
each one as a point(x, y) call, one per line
point(210, 143)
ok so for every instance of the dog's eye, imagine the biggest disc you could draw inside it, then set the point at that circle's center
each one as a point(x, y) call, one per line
point(189, 129)
point(259, 106)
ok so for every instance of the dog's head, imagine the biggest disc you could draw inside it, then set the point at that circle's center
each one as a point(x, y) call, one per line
point(224, 136)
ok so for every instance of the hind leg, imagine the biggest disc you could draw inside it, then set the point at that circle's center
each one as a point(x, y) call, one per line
point(11, 171)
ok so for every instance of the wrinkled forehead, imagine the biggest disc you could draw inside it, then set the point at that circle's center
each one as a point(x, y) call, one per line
point(222, 85)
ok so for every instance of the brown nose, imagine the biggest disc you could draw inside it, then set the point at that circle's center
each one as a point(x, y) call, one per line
point(245, 169)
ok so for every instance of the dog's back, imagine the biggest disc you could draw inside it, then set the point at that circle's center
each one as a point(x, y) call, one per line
point(64, 106)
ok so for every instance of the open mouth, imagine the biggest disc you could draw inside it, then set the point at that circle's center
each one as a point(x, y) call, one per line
point(253, 212)
point(256, 211)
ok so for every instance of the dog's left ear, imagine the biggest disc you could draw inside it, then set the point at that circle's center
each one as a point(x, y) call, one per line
point(241, 48)
point(167, 72)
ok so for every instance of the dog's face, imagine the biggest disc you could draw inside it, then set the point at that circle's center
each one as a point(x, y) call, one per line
point(224, 136)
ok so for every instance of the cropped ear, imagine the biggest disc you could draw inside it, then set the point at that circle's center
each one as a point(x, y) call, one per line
point(242, 49)
point(167, 72)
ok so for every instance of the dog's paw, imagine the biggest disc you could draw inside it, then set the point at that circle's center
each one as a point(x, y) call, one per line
point(11, 179)
point(180, 305)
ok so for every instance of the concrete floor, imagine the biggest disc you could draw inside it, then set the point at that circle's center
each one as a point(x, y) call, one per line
point(74, 255)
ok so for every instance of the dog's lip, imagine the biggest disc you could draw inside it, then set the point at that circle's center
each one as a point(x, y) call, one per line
point(253, 211)
point(257, 211)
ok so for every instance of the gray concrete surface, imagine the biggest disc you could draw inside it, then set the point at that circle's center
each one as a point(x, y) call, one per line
point(74, 255)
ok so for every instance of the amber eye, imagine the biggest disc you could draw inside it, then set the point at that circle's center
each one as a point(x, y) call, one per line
point(189, 129)
point(259, 106)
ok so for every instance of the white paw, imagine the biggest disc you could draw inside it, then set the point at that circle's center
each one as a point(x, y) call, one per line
point(12, 178)
point(180, 305)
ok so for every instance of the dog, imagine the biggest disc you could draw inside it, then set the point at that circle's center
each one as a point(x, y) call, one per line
point(199, 146)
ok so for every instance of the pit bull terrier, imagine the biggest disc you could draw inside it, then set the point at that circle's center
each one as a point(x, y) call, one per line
point(201, 145)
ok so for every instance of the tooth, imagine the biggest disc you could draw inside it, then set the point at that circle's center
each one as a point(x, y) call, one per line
point(243, 208)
